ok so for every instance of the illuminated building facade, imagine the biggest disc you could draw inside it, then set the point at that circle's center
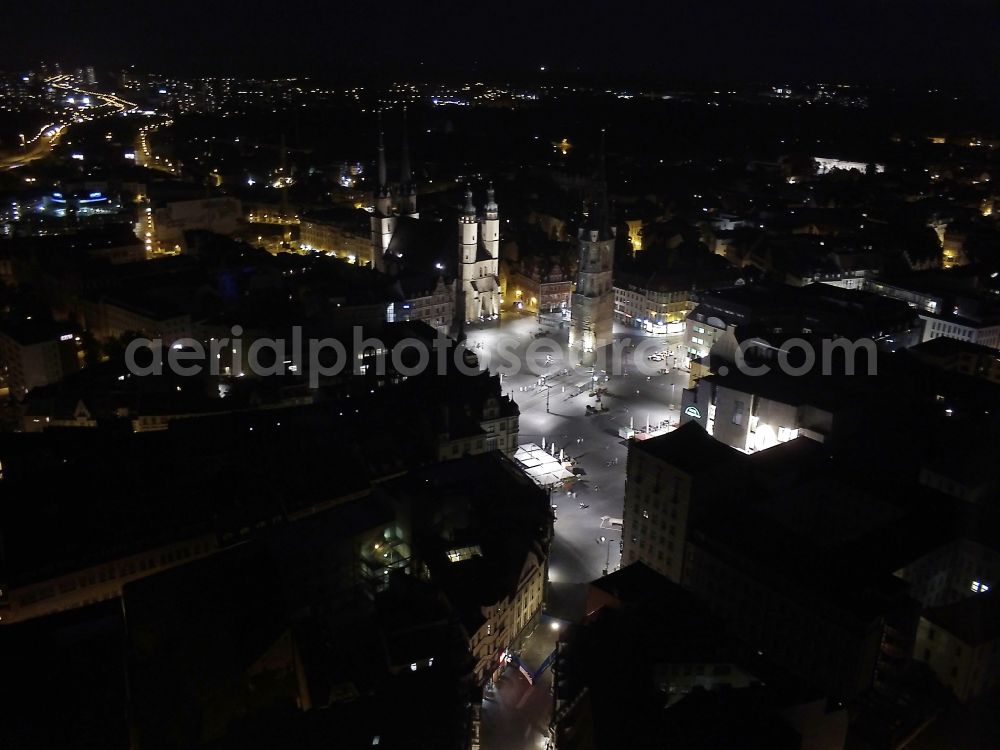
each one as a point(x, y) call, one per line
point(592, 307)
point(663, 475)
point(479, 251)
point(338, 233)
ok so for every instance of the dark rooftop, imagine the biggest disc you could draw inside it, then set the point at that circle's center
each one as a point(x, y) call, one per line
point(974, 620)
point(690, 449)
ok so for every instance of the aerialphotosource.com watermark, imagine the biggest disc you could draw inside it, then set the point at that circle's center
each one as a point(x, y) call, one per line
point(320, 359)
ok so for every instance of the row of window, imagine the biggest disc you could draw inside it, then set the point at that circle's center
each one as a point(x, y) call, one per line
point(112, 572)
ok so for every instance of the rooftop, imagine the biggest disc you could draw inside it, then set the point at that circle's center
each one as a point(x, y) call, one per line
point(690, 449)
point(974, 620)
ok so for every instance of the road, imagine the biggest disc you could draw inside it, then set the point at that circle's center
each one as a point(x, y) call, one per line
point(516, 713)
point(144, 156)
point(41, 144)
point(37, 147)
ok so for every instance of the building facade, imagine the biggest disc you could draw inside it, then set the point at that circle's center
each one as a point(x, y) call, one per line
point(218, 215)
point(734, 412)
point(592, 306)
point(538, 291)
point(478, 286)
point(432, 302)
point(960, 643)
point(37, 355)
point(970, 318)
point(507, 619)
point(476, 291)
point(326, 234)
point(662, 478)
point(656, 310)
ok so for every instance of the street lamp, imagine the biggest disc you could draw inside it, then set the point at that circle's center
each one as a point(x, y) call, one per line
point(607, 562)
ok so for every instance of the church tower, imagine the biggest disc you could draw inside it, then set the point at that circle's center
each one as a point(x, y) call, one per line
point(383, 220)
point(592, 304)
point(490, 226)
point(407, 190)
point(478, 287)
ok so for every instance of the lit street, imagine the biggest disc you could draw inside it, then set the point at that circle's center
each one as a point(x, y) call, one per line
point(41, 144)
point(515, 712)
point(587, 531)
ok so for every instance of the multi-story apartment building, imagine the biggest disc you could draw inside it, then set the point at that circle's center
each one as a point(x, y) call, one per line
point(720, 523)
point(535, 289)
point(486, 546)
point(424, 298)
point(960, 642)
point(35, 354)
point(664, 478)
point(343, 233)
point(659, 303)
point(656, 310)
point(966, 316)
point(112, 317)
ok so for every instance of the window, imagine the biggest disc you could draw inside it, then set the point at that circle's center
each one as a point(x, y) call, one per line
point(738, 411)
point(978, 587)
point(787, 433)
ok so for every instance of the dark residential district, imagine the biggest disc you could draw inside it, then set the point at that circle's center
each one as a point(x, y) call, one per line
point(488, 377)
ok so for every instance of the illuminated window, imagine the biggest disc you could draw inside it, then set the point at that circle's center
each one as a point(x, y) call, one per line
point(787, 433)
point(463, 553)
point(979, 587)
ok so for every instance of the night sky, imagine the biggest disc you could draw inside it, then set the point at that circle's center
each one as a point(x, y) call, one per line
point(879, 41)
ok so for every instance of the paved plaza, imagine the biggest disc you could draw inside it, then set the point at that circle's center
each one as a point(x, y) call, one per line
point(553, 396)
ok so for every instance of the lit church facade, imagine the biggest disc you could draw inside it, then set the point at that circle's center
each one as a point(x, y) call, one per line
point(476, 285)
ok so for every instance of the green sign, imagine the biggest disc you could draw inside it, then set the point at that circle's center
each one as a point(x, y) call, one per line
point(692, 411)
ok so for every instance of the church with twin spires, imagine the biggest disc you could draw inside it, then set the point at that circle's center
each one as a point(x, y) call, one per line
point(401, 239)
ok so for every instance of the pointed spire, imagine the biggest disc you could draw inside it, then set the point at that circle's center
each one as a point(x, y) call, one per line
point(491, 202)
point(470, 209)
point(383, 178)
point(404, 161)
point(600, 214)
